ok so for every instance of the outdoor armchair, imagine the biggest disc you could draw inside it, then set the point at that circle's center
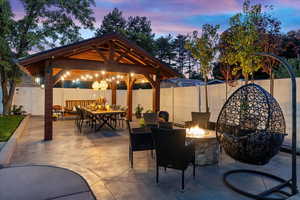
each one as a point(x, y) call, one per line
point(200, 119)
point(171, 151)
point(140, 139)
point(163, 115)
point(151, 119)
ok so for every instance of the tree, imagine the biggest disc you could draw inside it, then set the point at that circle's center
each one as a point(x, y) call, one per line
point(164, 49)
point(244, 41)
point(224, 71)
point(46, 23)
point(183, 60)
point(137, 29)
point(290, 45)
point(6, 65)
point(269, 39)
point(203, 48)
point(281, 72)
point(113, 22)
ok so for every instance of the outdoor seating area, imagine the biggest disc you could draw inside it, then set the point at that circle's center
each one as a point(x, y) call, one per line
point(201, 104)
point(250, 127)
point(102, 159)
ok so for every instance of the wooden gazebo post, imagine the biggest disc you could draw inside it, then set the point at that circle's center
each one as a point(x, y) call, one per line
point(130, 82)
point(48, 128)
point(156, 94)
point(113, 93)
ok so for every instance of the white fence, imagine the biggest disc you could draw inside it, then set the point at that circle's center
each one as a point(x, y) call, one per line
point(179, 102)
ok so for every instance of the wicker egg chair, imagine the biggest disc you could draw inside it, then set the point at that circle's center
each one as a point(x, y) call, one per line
point(251, 129)
point(251, 125)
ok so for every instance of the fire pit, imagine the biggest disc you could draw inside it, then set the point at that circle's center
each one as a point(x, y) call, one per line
point(206, 145)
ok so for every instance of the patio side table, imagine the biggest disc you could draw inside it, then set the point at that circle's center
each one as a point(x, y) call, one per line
point(206, 149)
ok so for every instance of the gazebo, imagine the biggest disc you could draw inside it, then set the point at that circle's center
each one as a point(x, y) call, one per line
point(111, 54)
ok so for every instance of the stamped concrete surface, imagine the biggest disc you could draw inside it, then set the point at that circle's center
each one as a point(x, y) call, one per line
point(42, 182)
point(102, 159)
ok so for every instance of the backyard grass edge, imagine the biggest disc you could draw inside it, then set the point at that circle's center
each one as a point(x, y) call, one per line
point(10, 146)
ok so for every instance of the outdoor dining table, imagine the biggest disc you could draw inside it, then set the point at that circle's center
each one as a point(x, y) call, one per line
point(104, 117)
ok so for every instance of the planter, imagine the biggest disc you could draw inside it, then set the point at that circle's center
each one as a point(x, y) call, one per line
point(138, 115)
point(9, 147)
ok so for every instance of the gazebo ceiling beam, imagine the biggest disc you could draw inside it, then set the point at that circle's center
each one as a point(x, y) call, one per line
point(57, 76)
point(122, 55)
point(111, 51)
point(138, 57)
point(101, 55)
point(61, 52)
point(81, 64)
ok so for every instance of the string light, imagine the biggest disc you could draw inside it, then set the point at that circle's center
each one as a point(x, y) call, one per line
point(37, 80)
point(96, 75)
point(103, 72)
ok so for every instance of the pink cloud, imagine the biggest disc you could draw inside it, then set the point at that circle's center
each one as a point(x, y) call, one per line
point(169, 28)
point(292, 3)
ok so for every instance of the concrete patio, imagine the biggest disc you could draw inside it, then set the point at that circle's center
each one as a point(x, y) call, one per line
point(102, 159)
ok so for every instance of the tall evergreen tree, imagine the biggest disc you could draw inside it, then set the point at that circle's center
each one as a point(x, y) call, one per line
point(137, 29)
point(181, 52)
point(113, 22)
point(164, 49)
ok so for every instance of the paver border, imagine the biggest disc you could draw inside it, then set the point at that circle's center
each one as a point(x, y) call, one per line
point(10, 146)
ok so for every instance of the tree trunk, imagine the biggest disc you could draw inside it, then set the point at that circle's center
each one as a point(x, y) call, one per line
point(7, 94)
point(226, 84)
point(246, 76)
point(271, 83)
point(206, 95)
point(226, 89)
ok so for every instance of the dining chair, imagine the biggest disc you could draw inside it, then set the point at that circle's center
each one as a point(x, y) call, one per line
point(171, 151)
point(150, 119)
point(140, 139)
point(163, 115)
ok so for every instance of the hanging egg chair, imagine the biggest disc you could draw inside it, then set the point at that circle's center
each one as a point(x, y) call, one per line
point(251, 129)
point(251, 125)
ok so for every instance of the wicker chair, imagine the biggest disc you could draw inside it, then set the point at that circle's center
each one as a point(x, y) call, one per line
point(140, 139)
point(81, 118)
point(251, 125)
point(164, 115)
point(200, 119)
point(171, 151)
point(151, 119)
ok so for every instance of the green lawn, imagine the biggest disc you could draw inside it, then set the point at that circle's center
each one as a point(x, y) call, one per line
point(8, 125)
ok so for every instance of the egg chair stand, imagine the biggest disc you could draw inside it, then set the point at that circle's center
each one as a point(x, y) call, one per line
point(291, 183)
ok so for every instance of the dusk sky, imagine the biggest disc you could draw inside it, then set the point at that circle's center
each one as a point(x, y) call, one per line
point(184, 16)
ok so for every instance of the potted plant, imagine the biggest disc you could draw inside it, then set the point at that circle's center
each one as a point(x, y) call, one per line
point(17, 110)
point(138, 111)
point(55, 116)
